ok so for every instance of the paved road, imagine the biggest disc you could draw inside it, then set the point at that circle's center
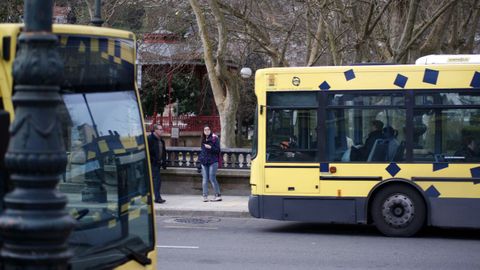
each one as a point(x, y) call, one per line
point(247, 243)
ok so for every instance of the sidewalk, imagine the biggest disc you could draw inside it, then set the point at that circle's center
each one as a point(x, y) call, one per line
point(193, 205)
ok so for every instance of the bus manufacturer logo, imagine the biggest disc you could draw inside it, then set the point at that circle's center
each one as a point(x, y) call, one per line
point(271, 80)
point(296, 81)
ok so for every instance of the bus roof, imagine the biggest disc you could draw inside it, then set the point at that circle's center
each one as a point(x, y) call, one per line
point(74, 29)
point(375, 77)
point(448, 59)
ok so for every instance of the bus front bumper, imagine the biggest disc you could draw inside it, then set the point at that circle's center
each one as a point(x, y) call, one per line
point(254, 206)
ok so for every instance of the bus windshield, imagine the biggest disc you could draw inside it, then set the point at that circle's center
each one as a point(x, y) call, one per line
point(107, 178)
point(107, 162)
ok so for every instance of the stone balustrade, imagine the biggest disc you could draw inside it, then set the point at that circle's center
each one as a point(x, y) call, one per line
point(187, 157)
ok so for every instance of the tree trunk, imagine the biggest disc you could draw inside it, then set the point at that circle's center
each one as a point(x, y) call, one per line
point(472, 31)
point(228, 117)
point(400, 51)
point(223, 83)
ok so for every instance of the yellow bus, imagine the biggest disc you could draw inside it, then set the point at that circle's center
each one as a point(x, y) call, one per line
point(107, 180)
point(390, 145)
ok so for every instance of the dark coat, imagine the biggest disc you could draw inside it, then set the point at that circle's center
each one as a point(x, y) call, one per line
point(210, 156)
point(154, 151)
point(469, 154)
point(370, 141)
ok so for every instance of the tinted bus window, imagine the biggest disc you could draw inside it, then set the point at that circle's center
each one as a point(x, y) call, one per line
point(366, 99)
point(365, 135)
point(365, 127)
point(446, 135)
point(458, 98)
point(294, 99)
point(292, 135)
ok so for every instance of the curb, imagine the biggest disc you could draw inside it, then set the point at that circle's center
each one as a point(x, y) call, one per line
point(199, 213)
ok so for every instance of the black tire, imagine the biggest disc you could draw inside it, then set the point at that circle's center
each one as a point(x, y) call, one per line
point(398, 210)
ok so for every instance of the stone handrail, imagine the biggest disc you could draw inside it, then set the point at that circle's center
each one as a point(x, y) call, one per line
point(233, 158)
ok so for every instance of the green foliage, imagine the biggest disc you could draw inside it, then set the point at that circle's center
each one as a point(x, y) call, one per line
point(185, 91)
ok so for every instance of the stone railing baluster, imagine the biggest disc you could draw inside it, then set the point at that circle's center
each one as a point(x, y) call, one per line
point(187, 157)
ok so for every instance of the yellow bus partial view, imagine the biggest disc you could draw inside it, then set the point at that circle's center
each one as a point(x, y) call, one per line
point(107, 179)
point(396, 146)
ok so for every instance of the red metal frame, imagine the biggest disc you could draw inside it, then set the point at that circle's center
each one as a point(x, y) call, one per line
point(185, 122)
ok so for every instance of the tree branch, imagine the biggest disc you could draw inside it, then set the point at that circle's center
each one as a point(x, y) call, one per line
point(422, 29)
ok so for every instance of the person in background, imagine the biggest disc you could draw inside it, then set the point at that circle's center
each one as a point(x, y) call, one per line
point(468, 150)
point(375, 134)
point(209, 157)
point(158, 157)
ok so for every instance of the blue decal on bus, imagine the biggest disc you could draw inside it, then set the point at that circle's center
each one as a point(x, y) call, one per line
point(430, 76)
point(324, 86)
point(324, 167)
point(475, 172)
point(475, 80)
point(392, 169)
point(117, 48)
point(400, 81)
point(103, 42)
point(439, 165)
point(432, 192)
point(349, 75)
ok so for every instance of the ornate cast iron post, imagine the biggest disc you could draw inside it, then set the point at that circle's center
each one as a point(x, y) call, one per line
point(35, 225)
point(97, 18)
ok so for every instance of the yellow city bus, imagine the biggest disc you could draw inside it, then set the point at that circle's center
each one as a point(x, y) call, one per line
point(107, 180)
point(390, 145)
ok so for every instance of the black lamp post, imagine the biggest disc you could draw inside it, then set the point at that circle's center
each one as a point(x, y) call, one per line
point(97, 17)
point(34, 224)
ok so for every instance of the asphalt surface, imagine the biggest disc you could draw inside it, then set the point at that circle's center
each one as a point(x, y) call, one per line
point(185, 242)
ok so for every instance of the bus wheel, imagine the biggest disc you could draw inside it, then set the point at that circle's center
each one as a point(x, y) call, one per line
point(398, 211)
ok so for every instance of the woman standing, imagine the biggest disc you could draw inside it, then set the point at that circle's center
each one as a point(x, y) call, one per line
point(209, 160)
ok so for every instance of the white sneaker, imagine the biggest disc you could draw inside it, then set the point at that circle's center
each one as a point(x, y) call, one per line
point(217, 198)
point(205, 199)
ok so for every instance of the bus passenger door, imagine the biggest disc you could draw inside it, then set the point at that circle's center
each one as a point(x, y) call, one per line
point(292, 155)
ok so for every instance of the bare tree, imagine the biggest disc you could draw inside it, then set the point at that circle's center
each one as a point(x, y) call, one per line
point(11, 10)
point(412, 33)
point(225, 86)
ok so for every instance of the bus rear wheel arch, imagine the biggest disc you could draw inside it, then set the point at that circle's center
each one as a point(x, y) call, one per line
point(398, 210)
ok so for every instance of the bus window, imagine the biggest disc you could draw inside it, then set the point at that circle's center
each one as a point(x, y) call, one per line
point(443, 135)
point(255, 135)
point(292, 127)
point(374, 99)
point(360, 127)
point(292, 135)
point(381, 132)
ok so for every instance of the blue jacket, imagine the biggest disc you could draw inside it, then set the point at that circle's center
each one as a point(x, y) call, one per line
point(210, 156)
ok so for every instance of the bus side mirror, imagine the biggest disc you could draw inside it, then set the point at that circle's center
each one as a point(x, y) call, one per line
point(6, 48)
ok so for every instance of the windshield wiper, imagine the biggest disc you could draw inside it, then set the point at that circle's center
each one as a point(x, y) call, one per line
point(137, 256)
